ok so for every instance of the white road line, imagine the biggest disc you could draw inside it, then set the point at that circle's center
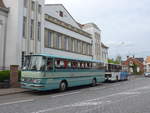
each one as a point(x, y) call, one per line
point(65, 94)
point(16, 102)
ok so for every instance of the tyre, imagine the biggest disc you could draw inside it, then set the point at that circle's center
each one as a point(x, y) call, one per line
point(63, 86)
point(93, 82)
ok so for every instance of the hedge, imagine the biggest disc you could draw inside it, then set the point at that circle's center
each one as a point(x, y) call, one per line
point(5, 75)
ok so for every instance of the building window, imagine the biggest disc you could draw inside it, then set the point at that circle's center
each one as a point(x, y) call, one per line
point(39, 31)
point(46, 38)
point(23, 58)
point(73, 46)
point(87, 49)
point(39, 9)
point(61, 14)
point(90, 50)
point(24, 27)
point(57, 40)
point(49, 38)
point(78, 46)
point(25, 3)
point(32, 29)
point(81, 47)
point(70, 44)
point(33, 6)
point(84, 48)
point(66, 43)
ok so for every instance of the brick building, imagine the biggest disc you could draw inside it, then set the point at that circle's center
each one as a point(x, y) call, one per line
point(134, 65)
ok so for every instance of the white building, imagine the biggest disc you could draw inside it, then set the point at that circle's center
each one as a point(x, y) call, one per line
point(96, 39)
point(24, 30)
point(99, 50)
point(3, 27)
point(104, 53)
point(63, 35)
point(31, 27)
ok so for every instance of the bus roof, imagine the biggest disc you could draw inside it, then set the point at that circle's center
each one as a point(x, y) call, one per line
point(69, 58)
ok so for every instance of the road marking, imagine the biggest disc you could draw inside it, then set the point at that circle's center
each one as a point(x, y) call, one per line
point(16, 102)
point(65, 94)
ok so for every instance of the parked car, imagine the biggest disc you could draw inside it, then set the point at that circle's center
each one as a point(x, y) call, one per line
point(147, 74)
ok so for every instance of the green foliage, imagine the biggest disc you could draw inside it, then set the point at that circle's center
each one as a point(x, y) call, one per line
point(113, 62)
point(4, 75)
point(19, 76)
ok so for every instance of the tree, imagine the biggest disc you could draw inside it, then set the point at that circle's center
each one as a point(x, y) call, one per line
point(118, 59)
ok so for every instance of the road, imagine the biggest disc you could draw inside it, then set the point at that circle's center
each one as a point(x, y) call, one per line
point(131, 96)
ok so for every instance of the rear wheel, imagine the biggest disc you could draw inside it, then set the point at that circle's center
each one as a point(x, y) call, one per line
point(63, 86)
point(93, 82)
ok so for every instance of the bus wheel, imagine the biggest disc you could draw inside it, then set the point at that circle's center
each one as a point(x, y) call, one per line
point(63, 86)
point(93, 82)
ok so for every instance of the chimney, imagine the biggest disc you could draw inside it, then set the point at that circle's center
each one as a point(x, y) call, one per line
point(127, 57)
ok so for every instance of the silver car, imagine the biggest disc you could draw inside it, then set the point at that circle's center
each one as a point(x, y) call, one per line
point(147, 74)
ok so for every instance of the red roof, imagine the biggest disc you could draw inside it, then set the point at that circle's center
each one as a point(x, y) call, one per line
point(148, 59)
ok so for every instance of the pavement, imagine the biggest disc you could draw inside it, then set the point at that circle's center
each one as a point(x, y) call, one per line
point(10, 91)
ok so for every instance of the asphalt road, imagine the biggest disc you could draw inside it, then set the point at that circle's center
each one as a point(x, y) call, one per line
point(131, 96)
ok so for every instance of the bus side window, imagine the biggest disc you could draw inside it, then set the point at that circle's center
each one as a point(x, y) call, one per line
point(69, 64)
point(74, 64)
point(62, 64)
point(49, 64)
point(94, 65)
point(65, 64)
point(58, 63)
point(88, 65)
point(79, 65)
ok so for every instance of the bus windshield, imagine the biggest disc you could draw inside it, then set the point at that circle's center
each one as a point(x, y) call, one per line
point(34, 63)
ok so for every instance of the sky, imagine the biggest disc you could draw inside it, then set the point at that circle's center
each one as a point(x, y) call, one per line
point(125, 24)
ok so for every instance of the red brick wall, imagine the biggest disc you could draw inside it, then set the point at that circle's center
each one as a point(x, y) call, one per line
point(135, 61)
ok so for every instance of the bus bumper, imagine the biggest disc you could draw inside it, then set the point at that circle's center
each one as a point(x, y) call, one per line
point(37, 87)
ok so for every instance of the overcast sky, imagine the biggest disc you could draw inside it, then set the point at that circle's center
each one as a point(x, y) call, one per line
point(125, 24)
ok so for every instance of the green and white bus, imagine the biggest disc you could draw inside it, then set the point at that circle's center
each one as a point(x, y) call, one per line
point(46, 72)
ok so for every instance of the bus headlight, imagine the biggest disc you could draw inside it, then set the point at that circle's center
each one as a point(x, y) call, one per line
point(22, 79)
point(37, 81)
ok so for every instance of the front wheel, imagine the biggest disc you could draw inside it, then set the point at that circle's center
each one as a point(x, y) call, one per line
point(93, 83)
point(63, 86)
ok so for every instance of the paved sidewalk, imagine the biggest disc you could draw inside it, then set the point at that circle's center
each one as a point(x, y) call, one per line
point(10, 91)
